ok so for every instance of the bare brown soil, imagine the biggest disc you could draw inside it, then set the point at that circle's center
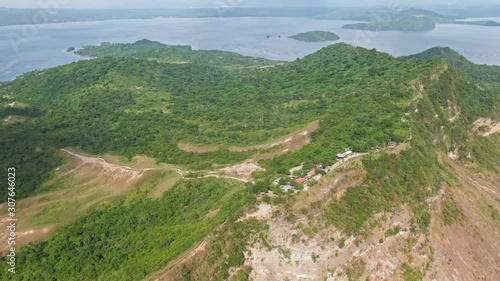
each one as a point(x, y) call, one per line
point(193, 148)
point(23, 237)
point(486, 127)
point(398, 149)
point(470, 248)
point(86, 181)
point(291, 142)
point(454, 111)
point(332, 186)
point(295, 255)
point(242, 171)
point(99, 167)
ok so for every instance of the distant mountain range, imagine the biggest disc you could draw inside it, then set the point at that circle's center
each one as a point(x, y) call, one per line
point(408, 20)
point(10, 16)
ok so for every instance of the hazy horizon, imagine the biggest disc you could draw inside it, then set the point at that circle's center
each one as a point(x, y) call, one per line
point(157, 4)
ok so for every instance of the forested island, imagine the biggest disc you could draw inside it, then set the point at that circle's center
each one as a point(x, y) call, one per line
point(316, 36)
point(406, 20)
point(480, 23)
point(410, 23)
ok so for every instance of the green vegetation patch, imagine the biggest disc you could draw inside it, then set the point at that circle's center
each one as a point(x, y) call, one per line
point(483, 73)
point(316, 36)
point(151, 50)
point(451, 213)
point(132, 238)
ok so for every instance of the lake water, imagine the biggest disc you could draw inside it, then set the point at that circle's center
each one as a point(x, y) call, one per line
point(25, 48)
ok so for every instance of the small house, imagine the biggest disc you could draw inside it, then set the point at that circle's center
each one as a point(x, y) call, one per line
point(343, 156)
point(301, 180)
point(311, 174)
point(286, 188)
point(391, 144)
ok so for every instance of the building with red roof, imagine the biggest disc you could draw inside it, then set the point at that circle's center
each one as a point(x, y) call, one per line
point(300, 180)
point(312, 173)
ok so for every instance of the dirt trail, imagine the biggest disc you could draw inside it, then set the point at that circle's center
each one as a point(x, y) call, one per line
point(86, 180)
point(224, 177)
point(201, 248)
point(112, 171)
point(11, 105)
point(164, 275)
point(193, 148)
point(240, 172)
point(291, 142)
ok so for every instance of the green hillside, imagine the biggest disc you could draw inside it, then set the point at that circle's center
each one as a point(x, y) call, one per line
point(128, 104)
point(99, 246)
point(131, 106)
point(484, 73)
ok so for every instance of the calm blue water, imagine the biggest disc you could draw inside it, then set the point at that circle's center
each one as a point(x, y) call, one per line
point(25, 48)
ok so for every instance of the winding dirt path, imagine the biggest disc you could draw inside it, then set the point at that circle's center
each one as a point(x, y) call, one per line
point(117, 171)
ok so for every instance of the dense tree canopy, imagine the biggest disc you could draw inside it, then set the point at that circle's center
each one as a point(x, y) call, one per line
point(131, 106)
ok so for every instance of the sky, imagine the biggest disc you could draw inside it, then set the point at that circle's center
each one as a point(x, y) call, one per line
point(231, 3)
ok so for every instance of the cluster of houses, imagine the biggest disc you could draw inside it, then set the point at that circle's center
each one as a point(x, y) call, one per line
point(314, 175)
point(309, 176)
point(390, 145)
